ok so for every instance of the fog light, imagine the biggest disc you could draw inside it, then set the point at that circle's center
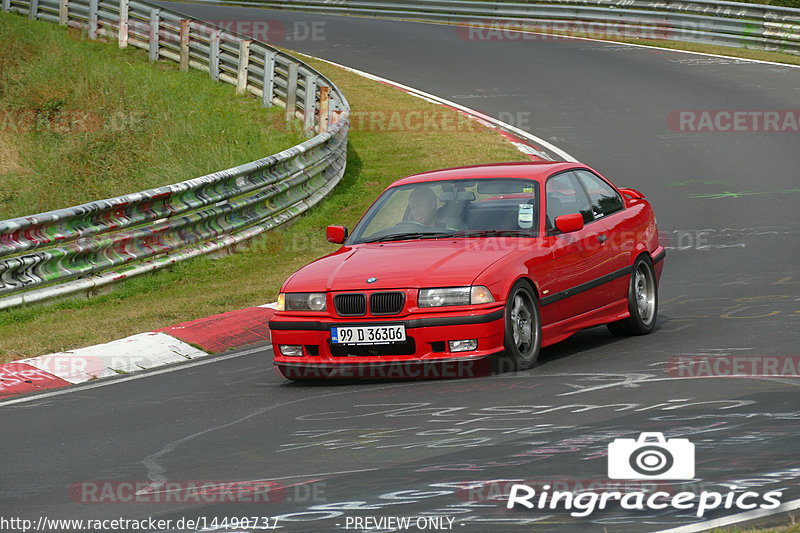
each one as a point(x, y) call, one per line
point(463, 345)
point(291, 350)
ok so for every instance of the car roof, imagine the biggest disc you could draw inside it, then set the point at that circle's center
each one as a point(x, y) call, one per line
point(537, 170)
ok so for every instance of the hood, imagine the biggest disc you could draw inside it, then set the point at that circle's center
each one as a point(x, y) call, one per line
point(397, 265)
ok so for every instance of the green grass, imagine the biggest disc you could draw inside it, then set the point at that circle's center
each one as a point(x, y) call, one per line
point(378, 153)
point(791, 528)
point(82, 120)
point(783, 3)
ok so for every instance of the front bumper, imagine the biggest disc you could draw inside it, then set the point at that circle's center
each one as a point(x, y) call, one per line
point(426, 345)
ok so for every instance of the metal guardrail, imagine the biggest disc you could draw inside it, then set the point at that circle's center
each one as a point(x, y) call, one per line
point(757, 26)
point(74, 249)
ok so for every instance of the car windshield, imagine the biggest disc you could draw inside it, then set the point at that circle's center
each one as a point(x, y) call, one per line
point(465, 208)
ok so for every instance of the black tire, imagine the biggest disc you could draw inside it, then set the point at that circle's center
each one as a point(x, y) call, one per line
point(642, 301)
point(523, 336)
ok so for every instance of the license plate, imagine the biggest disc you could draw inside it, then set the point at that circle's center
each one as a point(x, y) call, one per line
point(368, 334)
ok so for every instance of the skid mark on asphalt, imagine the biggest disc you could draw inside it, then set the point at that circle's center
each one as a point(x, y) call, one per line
point(729, 308)
point(153, 462)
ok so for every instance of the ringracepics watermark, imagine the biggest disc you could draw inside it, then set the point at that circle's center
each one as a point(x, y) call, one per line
point(649, 457)
point(586, 503)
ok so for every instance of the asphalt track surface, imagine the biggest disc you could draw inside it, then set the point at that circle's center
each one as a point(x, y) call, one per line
point(728, 203)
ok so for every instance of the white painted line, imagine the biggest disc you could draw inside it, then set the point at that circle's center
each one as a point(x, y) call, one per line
point(103, 383)
point(273, 305)
point(734, 519)
point(441, 101)
point(131, 354)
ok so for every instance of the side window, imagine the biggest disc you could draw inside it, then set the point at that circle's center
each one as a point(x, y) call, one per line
point(565, 196)
point(605, 199)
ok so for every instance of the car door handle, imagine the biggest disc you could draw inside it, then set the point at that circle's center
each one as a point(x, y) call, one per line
point(602, 238)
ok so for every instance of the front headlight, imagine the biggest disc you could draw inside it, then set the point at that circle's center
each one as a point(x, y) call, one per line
point(454, 296)
point(302, 301)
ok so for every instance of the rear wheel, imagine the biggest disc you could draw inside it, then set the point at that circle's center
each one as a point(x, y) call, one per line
point(523, 336)
point(642, 301)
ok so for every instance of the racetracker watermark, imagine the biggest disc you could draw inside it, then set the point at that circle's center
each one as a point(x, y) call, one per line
point(74, 367)
point(149, 524)
point(195, 492)
point(399, 523)
point(607, 30)
point(468, 368)
point(411, 120)
point(734, 121)
point(732, 366)
point(67, 121)
point(264, 30)
point(513, 239)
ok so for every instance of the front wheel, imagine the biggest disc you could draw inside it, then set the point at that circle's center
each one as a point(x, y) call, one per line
point(642, 301)
point(523, 336)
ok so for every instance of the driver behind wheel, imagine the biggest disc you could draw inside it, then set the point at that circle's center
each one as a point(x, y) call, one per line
point(422, 206)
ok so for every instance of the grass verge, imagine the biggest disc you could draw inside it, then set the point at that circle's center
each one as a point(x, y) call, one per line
point(82, 120)
point(393, 134)
point(792, 528)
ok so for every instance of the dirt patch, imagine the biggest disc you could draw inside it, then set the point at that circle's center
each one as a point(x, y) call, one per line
point(9, 155)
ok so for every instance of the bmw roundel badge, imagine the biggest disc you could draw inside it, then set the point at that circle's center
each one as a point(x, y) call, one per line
point(372, 280)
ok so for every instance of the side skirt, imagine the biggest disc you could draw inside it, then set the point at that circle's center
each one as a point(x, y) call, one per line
point(558, 331)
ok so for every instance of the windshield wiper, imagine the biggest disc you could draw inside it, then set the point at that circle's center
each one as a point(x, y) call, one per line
point(410, 235)
point(493, 233)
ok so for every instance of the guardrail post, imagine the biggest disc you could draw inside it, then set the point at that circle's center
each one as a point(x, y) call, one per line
point(324, 101)
point(268, 83)
point(34, 9)
point(155, 22)
point(92, 19)
point(291, 92)
point(63, 12)
point(184, 63)
point(123, 23)
point(244, 62)
point(309, 105)
point(6, 5)
point(213, 55)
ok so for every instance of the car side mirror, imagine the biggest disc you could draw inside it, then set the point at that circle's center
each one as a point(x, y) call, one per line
point(336, 234)
point(569, 223)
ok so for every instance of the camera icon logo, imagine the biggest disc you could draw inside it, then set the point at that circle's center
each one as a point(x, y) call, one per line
point(644, 459)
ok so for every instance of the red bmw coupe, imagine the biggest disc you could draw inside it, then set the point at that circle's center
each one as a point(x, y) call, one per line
point(463, 263)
